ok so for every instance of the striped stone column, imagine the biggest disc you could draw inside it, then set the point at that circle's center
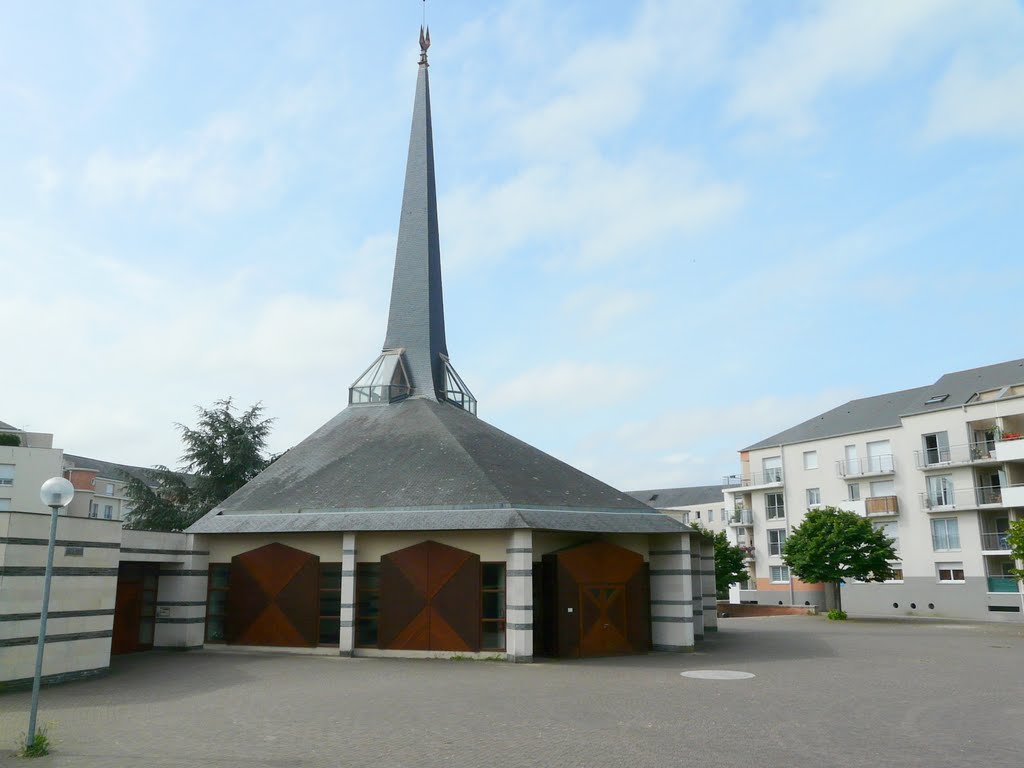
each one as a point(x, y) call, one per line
point(519, 596)
point(347, 633)
point(697, 588)
point(671, 593)
point(707, 559)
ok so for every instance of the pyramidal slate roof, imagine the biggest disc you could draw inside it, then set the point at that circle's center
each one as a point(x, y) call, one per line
point(881, 411)
point(421, 462)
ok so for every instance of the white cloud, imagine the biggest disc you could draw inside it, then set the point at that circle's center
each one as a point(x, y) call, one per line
point(599, 309)
point(968, 103)
point(566, 385)
point(838, 44)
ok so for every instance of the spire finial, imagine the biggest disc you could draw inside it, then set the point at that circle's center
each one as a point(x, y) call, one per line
point(424, 42)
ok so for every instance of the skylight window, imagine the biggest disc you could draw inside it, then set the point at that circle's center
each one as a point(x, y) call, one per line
point(936, 399)
point(455, 390)
point(383, 382)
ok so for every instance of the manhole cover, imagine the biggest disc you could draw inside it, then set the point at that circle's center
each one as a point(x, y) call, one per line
point(716, 674)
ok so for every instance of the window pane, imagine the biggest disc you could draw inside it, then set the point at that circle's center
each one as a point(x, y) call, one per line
point(330, 576)
point(366, 632)
point(219, 576)
point(214, 629)
point(146, 632)
point(494, 575)
point(217, 604)
point(368, 576)
point(330, 603)
point(493, 635)
point(953, 533)
point(329, 631)
point(368, 606)
point(494, 605)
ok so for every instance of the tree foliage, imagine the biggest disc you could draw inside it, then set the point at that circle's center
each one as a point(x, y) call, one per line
point(729, 566)
point(9, 439)
point(832, 545)
point(1015, 540)
point(222, 453)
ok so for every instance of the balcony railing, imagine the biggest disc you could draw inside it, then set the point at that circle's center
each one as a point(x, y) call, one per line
point(1003, 584)
point(881, 505)
point(742, 516)
point(968, 498)
point(767, 477)
point(872, 465)
point(995, 541)
point(964, 453)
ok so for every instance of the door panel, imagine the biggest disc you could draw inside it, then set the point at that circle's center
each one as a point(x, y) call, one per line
point(603, 625)
point(127, 604)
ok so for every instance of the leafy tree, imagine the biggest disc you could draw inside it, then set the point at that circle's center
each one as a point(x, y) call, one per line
point(832, 545)
point(1015, 540)
point(222, 453)
point(729, 567)
point(9, 439)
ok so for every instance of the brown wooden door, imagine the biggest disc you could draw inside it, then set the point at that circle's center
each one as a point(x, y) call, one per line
point(273, 597)
point(430, 599)
point(127, 607)
point(603, 620)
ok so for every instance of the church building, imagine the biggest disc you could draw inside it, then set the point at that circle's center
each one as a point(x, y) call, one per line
point(408, 526)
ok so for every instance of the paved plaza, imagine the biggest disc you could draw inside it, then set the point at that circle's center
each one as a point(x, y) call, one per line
point(862, 693)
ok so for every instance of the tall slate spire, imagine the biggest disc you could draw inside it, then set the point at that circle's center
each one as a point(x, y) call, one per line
point(416, 320)
point(415, 362)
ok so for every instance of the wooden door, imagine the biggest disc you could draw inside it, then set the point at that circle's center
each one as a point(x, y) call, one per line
point(127, 607)
point(604, 628)
point(430, 599)
point(273, 597)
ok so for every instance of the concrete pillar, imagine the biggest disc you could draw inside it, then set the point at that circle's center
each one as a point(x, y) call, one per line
point(697, 588)
point(671, 593)
point(347, 629)
point(707, 559)
point(519, 596)
point(181, 592)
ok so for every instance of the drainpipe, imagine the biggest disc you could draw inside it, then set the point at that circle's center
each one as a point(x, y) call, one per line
point(789, 522)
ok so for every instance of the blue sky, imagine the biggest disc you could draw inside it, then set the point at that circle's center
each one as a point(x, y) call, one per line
point(668, 229)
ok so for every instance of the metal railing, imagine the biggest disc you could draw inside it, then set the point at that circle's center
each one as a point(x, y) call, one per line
point(955, 454)
point(742, 516)
point(995, 541)
point(1003, 584)
point(755, 478)
point(967, 498)
point(882, 505)
point(871, 465)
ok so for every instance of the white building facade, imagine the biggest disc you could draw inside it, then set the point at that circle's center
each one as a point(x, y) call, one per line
point(940, 468)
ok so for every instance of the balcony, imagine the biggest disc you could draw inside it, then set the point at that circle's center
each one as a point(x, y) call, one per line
point(1010, 447)
point(872, 465)
point(1003, 584)
point(949, 455)
point(770, 478)
point(995, 542)
point(879, 506)
point(748, 552)
point(741, 516)
point(968, 498)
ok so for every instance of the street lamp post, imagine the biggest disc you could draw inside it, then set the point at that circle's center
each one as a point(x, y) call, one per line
point(56, 492)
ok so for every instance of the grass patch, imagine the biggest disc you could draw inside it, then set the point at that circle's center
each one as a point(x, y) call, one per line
point(836, 615)
point(40, 745)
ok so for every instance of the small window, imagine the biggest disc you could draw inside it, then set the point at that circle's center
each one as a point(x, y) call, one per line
point(945, 534)
point(853, 491)
point(653, 497)
point(936, 399)
point(778, 574)
point(109, 491)
point(218, 579)
point(94, 509)
point(813, 497)
point(810, 459)
point(696, 514)
point(367, 604)
point(897, 574)
point(108, 511)
point(6, 474)
point(686, 518)
point(775, 506)
point(950, 573)
point(492, 614)
point(5, 505)
point(711, 515)
point(891, 529)
point(330, 603)
point(776, 540)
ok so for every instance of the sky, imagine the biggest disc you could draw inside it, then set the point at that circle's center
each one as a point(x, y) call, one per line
point(668, 229)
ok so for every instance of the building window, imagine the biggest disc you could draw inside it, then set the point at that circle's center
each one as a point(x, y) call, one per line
point(778, 574)
point(940, 491)
point(950, 573)
point(711, 515)
point(492, 615)
point(772, 469)
point(776, 539)
point(94, 509)
point(775, 506)
point(696, 514)
point(217, 601)
point(936, 448)
point(853, 491)
point(891, 530)
point(330, 603)
point(686, 518)
point(810, 459)
point(367, 604)
point(5, 505)
point(813, 497)
point(897, 574)
point(108, 511)
point(945, 534)
point(6, 474)
point(109, 491)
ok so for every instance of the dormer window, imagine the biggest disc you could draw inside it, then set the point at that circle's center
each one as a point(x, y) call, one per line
point(455, 390)
point(383, 382)
point(936, 399)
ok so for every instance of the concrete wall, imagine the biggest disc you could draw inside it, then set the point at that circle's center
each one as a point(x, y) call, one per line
point(82, 595)
point(32, 467)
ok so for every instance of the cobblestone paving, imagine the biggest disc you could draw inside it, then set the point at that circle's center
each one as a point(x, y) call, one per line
point(846, 695)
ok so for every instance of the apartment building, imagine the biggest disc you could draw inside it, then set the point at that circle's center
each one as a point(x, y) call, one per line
point(940, 468)
point(700, 504)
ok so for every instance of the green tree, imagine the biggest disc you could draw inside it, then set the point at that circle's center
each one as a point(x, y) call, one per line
point(832, 545)
point(1015, 540)
point(222, 453)
point(729, 567)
